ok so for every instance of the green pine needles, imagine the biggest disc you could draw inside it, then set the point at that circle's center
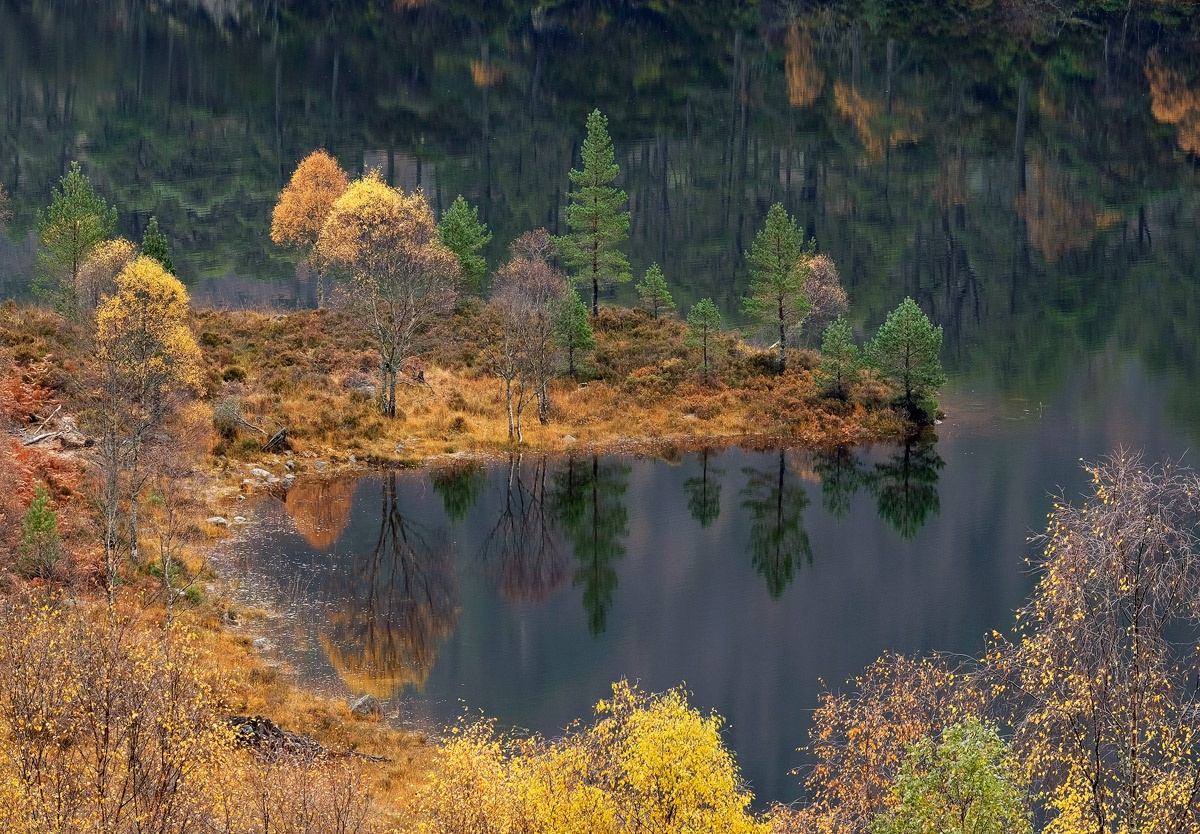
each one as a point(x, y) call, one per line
point(463, 234)
point(905, 354)
point(779, 262)
point(154, 245)
point(40, 548)
point(654, 293)
point(76, 222)
point(598, 226)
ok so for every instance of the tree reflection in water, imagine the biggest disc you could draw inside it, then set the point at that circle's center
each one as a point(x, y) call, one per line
point(842, 476)
point(521, 553)
point(398, 603)
point(778, 540)
point(586, 504)
point(906, 486)
point(320, 510)
point(459, 486)
point(704, 491)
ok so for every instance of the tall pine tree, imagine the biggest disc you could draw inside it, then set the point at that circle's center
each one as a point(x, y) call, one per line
point(598, 226)
point(779, 262)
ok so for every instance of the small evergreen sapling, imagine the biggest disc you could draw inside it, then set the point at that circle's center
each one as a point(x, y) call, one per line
point(704, 324)
point(154, 245)
point(905, 354)
point(40, 548)
point(655, 295)
point(840, 359)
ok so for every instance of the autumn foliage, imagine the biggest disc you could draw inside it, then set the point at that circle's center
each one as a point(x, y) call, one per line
point(647, 763)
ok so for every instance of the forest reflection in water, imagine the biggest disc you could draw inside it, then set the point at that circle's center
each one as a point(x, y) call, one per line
point(385, 566)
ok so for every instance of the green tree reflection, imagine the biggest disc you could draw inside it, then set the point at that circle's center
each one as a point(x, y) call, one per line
point(587, 506)
point(778, 540)
point(704, 491)
point(459, 486)
point(906, 486)
point(842, 476)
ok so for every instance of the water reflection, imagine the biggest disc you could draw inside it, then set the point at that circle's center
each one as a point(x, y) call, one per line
point(459, 487)
point(522, 553)
point(905, 486)
point(320, 510)
point(778, 540)
point(394, 605)
point(704, 491)
point(587, 505)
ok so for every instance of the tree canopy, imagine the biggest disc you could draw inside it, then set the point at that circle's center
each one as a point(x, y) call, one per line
point(403, 278)
point(598, 226)
point(779, 261)
point(463, 234)
point(905, 354)
point(76, 222)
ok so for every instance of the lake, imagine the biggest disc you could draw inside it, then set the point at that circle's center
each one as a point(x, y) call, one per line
point(1035, 193)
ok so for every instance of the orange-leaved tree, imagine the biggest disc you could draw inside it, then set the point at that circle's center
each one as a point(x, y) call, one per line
point(860, 738)
point(145, 359)
point(305, 203)
point(402, 276)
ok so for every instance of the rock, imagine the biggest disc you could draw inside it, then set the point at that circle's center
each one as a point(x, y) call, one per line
point(321, 466)
point(272, 480)
point(367, 707)
point(217, 520)
point(568, 438)
point(241, 497)
point(353, 459)
point(262, 644)
point(261, 474)
point(240, 519)
point(290, 464)
point(288, 480)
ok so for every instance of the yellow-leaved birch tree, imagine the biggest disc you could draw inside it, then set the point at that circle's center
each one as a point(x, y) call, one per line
point(402, 277)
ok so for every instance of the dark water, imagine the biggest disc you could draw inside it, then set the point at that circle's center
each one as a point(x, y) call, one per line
point(1035, 192)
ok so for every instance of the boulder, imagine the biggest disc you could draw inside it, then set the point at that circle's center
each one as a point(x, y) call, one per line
point(367, 708)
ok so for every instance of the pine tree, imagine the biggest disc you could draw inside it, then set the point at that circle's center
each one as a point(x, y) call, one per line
point(905, 354)
point(704, 323)
point(839, 359)
point(77, 220)
point(574, 331)
point(154, 245)
point(463, 234)
point(655, 295)
point(598, 226)
point(40, 547)
point(779, 263)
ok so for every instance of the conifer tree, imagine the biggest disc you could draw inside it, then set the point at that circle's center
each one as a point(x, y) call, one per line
point(40, 547)
point(779, 264)
point(574, 331)
point(76, 222)
point(598, 226)
point(905, 353)
point(154, 245)
point(462, 233)
point(839, 359)
point(704, 323)
point(655, 295)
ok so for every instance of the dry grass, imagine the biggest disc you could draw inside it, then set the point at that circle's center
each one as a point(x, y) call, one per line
point(314, 372)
